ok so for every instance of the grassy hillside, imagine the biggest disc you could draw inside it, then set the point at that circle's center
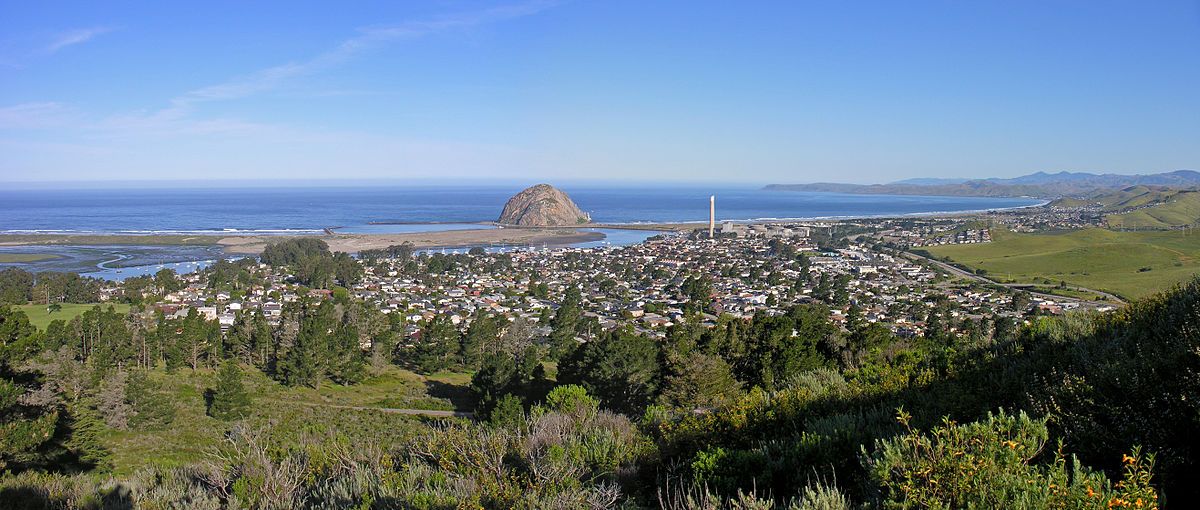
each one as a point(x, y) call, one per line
point(1130, 264)
point(41, 318)
point(1181, 208)
point(1072, 202)
point(286, 412)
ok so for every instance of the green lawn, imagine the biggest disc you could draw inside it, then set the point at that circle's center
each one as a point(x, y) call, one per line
point(1129, 264)
point(286, 414)
point(40, 317)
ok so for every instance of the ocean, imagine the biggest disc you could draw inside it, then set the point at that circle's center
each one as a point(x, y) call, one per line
point(389, 209)
point(383, 209)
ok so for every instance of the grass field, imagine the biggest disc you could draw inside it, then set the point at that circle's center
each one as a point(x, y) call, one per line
point(26, 257)
point(1129, 264)
point(41, 318)
point(1180, 209)
point(286, 414)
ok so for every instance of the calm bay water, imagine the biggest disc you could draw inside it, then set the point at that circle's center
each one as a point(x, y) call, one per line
point(355, 209)
point(384, 209)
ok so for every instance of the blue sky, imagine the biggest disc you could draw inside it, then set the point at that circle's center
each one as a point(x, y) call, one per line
point(609, 90)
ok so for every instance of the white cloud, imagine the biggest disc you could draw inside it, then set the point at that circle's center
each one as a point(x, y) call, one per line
point(272, 77)
point(73, 37)
point(139, 144)
point(34, 115)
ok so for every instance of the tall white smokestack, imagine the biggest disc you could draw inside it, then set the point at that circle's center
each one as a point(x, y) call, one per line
point(712, 215)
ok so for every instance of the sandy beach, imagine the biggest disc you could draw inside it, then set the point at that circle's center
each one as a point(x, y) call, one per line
point(350, 243)
point(353, 243)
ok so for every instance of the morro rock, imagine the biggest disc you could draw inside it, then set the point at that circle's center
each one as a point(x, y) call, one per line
point(542, 205)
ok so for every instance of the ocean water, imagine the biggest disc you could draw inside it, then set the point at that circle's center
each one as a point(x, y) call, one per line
point(387, 209)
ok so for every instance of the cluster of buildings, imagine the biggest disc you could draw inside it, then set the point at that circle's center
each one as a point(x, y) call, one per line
point(750, 269)
point(910, 232)
point(1048, 218)
point(644, 285)
point(224, 306)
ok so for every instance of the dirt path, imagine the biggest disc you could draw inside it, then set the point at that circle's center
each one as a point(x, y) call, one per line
point(390, 410)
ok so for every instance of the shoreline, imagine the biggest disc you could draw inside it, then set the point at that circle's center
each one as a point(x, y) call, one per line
point(490, 234)
point(354, 243)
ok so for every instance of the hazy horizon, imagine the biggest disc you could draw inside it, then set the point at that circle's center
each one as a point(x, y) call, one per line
point(436, 182)
point(779, 92)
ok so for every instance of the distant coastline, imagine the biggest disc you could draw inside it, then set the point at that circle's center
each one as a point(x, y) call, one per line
point(1037, 185)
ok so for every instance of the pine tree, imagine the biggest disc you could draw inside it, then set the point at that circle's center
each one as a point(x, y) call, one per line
point(150, 408)
point(565, 324)
point(507, 413)
point(349, 364)
point(439, 343)
point(299, 367)
point(480, 339)
point(23, 430)
point(261, 341)
point(229, 398)
point(305, 363)
point(85, 443)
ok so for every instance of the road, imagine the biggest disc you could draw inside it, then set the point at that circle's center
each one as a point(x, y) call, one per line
point(1112, 300)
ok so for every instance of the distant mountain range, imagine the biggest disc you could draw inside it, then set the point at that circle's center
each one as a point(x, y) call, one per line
point(1040, 184)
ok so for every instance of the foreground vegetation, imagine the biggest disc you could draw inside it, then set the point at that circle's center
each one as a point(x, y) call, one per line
point(1129, 264)
point(781, 410)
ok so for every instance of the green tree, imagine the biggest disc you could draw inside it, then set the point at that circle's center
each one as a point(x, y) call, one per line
point(348, 362)
point(495, 379)
point(480, 339)
point(24, 429)
point(570, 399)
point(16, 286)
point(508, 413)
point(18, 338)
point(166, 281)
point(150, 408)
point(438, 345)
point(622, 370)
point(301, 366)
point(85, 442)
point(565, 324)
point(229, 399)
point(307, 362)
point(699, 291)
point(699, 380)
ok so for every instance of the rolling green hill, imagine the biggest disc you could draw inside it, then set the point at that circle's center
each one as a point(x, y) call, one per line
point(1130, 264)
point(1173, 209)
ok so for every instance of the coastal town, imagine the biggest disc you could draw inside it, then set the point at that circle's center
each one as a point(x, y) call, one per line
point(555, 255)
point(742, 271)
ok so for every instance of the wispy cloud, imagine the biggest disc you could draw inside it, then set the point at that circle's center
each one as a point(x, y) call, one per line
point(33, 115)
point(273, 77)
point(181, 127)
point(73, 37)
